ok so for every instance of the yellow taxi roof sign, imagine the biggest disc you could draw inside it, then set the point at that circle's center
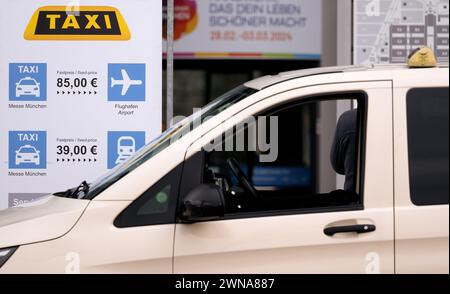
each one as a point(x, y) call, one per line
point(422, 57)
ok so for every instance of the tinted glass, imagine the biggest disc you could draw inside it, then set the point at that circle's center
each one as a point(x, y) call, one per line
point(156, 206)
point(428, 126)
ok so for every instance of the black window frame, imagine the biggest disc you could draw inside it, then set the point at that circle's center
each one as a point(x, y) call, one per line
point(129, 217)
point(418, 200)
point(191, 177)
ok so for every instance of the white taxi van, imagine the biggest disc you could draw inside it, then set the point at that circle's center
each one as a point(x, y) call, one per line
point(357, 182)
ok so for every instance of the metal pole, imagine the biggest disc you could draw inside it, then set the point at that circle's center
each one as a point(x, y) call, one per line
point(169, 59)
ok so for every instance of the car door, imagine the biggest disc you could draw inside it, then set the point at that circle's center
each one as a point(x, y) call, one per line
point(421, 171)
point(304, 238)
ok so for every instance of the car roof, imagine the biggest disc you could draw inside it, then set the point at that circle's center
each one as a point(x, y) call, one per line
point(270, 80)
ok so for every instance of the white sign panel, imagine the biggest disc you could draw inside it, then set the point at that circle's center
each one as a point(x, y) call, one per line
point(80, 89)
point(386, 31)
point(248, 29)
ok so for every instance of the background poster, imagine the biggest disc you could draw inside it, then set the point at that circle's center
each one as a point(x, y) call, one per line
point(386, 31)
point(80, 91)
point(263, 29)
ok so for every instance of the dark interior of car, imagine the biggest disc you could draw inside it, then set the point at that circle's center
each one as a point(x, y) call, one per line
point(289, 182)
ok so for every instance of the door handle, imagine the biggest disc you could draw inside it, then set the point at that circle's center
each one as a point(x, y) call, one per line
point(359, 229)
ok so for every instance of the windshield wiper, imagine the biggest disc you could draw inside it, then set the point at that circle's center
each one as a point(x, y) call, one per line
point(82, 188)
point(75, 192)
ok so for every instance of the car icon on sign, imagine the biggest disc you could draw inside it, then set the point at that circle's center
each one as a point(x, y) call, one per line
point(27, 154)
point(28, 86)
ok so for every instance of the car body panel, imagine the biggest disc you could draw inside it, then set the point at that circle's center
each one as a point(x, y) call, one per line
point(95, 245)
point(296, 243)
point(422, 232)
point(45, 219)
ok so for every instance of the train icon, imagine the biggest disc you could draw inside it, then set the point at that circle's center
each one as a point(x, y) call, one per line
point(126, 147)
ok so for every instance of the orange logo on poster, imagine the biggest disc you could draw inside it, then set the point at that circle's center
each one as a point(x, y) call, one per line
point(186, 18)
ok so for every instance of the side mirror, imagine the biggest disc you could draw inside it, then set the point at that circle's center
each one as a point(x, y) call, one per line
point(203, 203)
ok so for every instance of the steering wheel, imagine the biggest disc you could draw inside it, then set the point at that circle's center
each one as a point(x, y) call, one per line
point(242, 178)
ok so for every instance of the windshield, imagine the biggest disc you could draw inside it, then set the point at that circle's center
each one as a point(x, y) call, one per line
point(168, 137)
point(27, 150)
point(27, 83)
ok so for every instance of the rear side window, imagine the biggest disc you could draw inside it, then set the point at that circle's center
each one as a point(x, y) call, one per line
point(427, 118)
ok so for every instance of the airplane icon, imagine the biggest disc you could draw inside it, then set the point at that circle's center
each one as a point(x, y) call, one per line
point(126, 82)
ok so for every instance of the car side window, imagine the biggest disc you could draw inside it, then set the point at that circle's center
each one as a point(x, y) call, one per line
point(428, 123)
point(315, 164)
point(155, 206)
